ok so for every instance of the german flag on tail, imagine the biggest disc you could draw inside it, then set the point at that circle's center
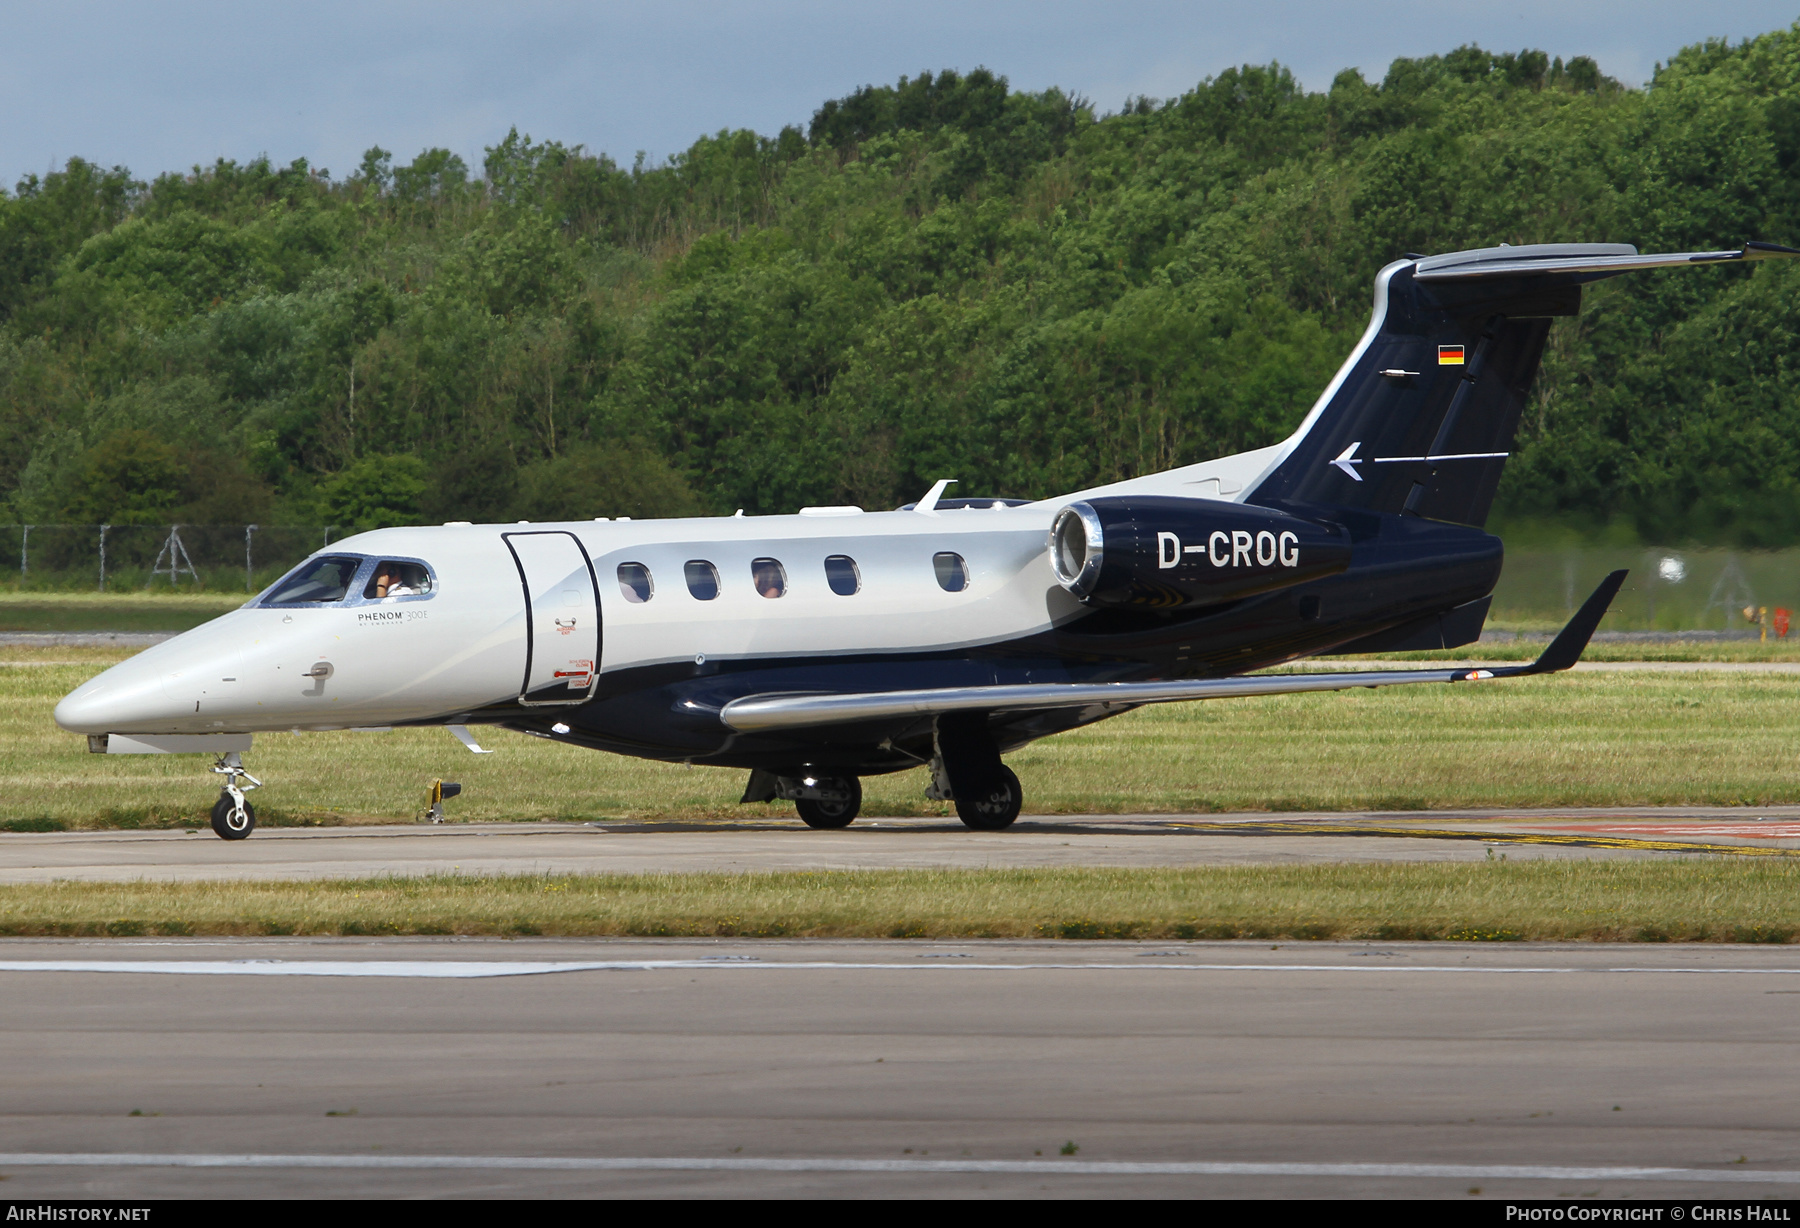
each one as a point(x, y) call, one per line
point(1450, 355)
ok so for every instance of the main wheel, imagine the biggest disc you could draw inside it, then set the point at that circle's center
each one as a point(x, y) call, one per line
point(226, 821)
point(995, 807)
point(816, 812)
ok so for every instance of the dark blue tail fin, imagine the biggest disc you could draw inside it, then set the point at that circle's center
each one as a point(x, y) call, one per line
point(1421, 418)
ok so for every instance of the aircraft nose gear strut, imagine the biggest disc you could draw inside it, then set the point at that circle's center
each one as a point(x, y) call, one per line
point(233, 818)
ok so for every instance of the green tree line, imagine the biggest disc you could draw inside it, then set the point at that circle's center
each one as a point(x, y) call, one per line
point(940, 278)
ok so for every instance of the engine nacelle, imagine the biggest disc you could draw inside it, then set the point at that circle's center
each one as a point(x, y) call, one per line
point(1158, 551)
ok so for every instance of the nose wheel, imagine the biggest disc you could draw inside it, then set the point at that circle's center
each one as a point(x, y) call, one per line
point(233, 818)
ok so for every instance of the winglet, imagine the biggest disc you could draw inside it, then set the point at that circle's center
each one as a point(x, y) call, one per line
point(1572, 640)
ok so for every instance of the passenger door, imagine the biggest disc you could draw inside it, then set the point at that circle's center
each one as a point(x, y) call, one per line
point(562, 617)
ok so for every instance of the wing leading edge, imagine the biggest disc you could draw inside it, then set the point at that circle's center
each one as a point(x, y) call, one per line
point(761, 713)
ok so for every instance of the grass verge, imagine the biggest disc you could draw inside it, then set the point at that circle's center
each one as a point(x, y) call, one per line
point(95, 611)
point(1621, 739)
point(1744, 652)
point(1692, 900)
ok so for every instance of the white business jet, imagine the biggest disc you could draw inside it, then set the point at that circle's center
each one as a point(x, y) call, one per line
point(818, 648)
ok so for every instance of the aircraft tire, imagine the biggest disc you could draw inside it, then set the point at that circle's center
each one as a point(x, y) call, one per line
point(831, 815)
point(222, 817)
point(995, 808)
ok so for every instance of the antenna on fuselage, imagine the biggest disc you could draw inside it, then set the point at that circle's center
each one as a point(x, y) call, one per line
point(929, 503)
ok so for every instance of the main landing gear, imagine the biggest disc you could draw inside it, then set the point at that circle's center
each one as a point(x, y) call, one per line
point(233, 818)
point(965, 770)
point(834, 802)
point(968, 771)
point(993, 805)
point(823, 801)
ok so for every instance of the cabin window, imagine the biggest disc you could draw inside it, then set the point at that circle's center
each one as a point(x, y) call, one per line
point(702, 579)
point(393, 578)
point(952, 572)
point(769, 576)
point(635, 583)
point(326, 579)
point(841, 574)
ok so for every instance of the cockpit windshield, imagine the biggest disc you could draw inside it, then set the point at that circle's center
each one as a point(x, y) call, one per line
point(326, 579)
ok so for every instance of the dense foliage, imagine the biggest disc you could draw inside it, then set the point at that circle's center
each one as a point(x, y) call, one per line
point(943, 278)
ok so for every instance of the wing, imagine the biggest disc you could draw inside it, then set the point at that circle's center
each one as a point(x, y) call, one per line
point(760, 713)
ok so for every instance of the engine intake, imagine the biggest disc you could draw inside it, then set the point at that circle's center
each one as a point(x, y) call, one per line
point(1159, 551)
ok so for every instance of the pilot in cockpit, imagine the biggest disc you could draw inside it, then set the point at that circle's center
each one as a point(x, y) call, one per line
point(398, 580)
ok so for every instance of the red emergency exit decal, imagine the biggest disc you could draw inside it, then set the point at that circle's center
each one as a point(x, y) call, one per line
point(579, 674)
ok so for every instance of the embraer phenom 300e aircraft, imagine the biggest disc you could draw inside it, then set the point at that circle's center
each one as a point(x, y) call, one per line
point(818, 648)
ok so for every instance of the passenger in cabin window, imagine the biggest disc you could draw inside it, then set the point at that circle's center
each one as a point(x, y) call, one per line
point(769, 577)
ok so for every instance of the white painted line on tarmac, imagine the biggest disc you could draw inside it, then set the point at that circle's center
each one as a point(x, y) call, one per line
point(430, 969)
point(448, 969)
point(822, 1164)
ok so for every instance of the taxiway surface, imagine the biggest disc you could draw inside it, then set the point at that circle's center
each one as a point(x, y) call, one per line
point(728, 1068)
point(877, 843)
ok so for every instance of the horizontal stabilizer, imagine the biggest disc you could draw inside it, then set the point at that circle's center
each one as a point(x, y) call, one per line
point(763, 713)
point(1598, 261)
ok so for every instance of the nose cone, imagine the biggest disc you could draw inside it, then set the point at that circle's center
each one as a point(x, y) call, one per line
point(160, 689)
point(126, 698)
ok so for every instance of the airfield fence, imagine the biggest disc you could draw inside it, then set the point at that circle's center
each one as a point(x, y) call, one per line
point(200, 557)
point(1667, 590)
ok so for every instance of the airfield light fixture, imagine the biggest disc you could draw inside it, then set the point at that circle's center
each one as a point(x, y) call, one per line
point(440, 791)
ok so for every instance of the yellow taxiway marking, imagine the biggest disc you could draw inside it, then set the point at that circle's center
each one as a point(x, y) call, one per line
point(1500, 837)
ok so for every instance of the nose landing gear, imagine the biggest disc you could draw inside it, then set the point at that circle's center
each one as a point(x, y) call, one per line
point(233, 818)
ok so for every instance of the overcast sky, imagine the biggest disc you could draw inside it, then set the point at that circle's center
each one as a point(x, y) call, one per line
point(163, 86)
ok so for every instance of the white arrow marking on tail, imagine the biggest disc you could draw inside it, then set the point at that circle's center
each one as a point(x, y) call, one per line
point(1347, 461)
point(1445, 456)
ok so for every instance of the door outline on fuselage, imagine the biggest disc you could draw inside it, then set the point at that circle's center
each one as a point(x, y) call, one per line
point(530, 620)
